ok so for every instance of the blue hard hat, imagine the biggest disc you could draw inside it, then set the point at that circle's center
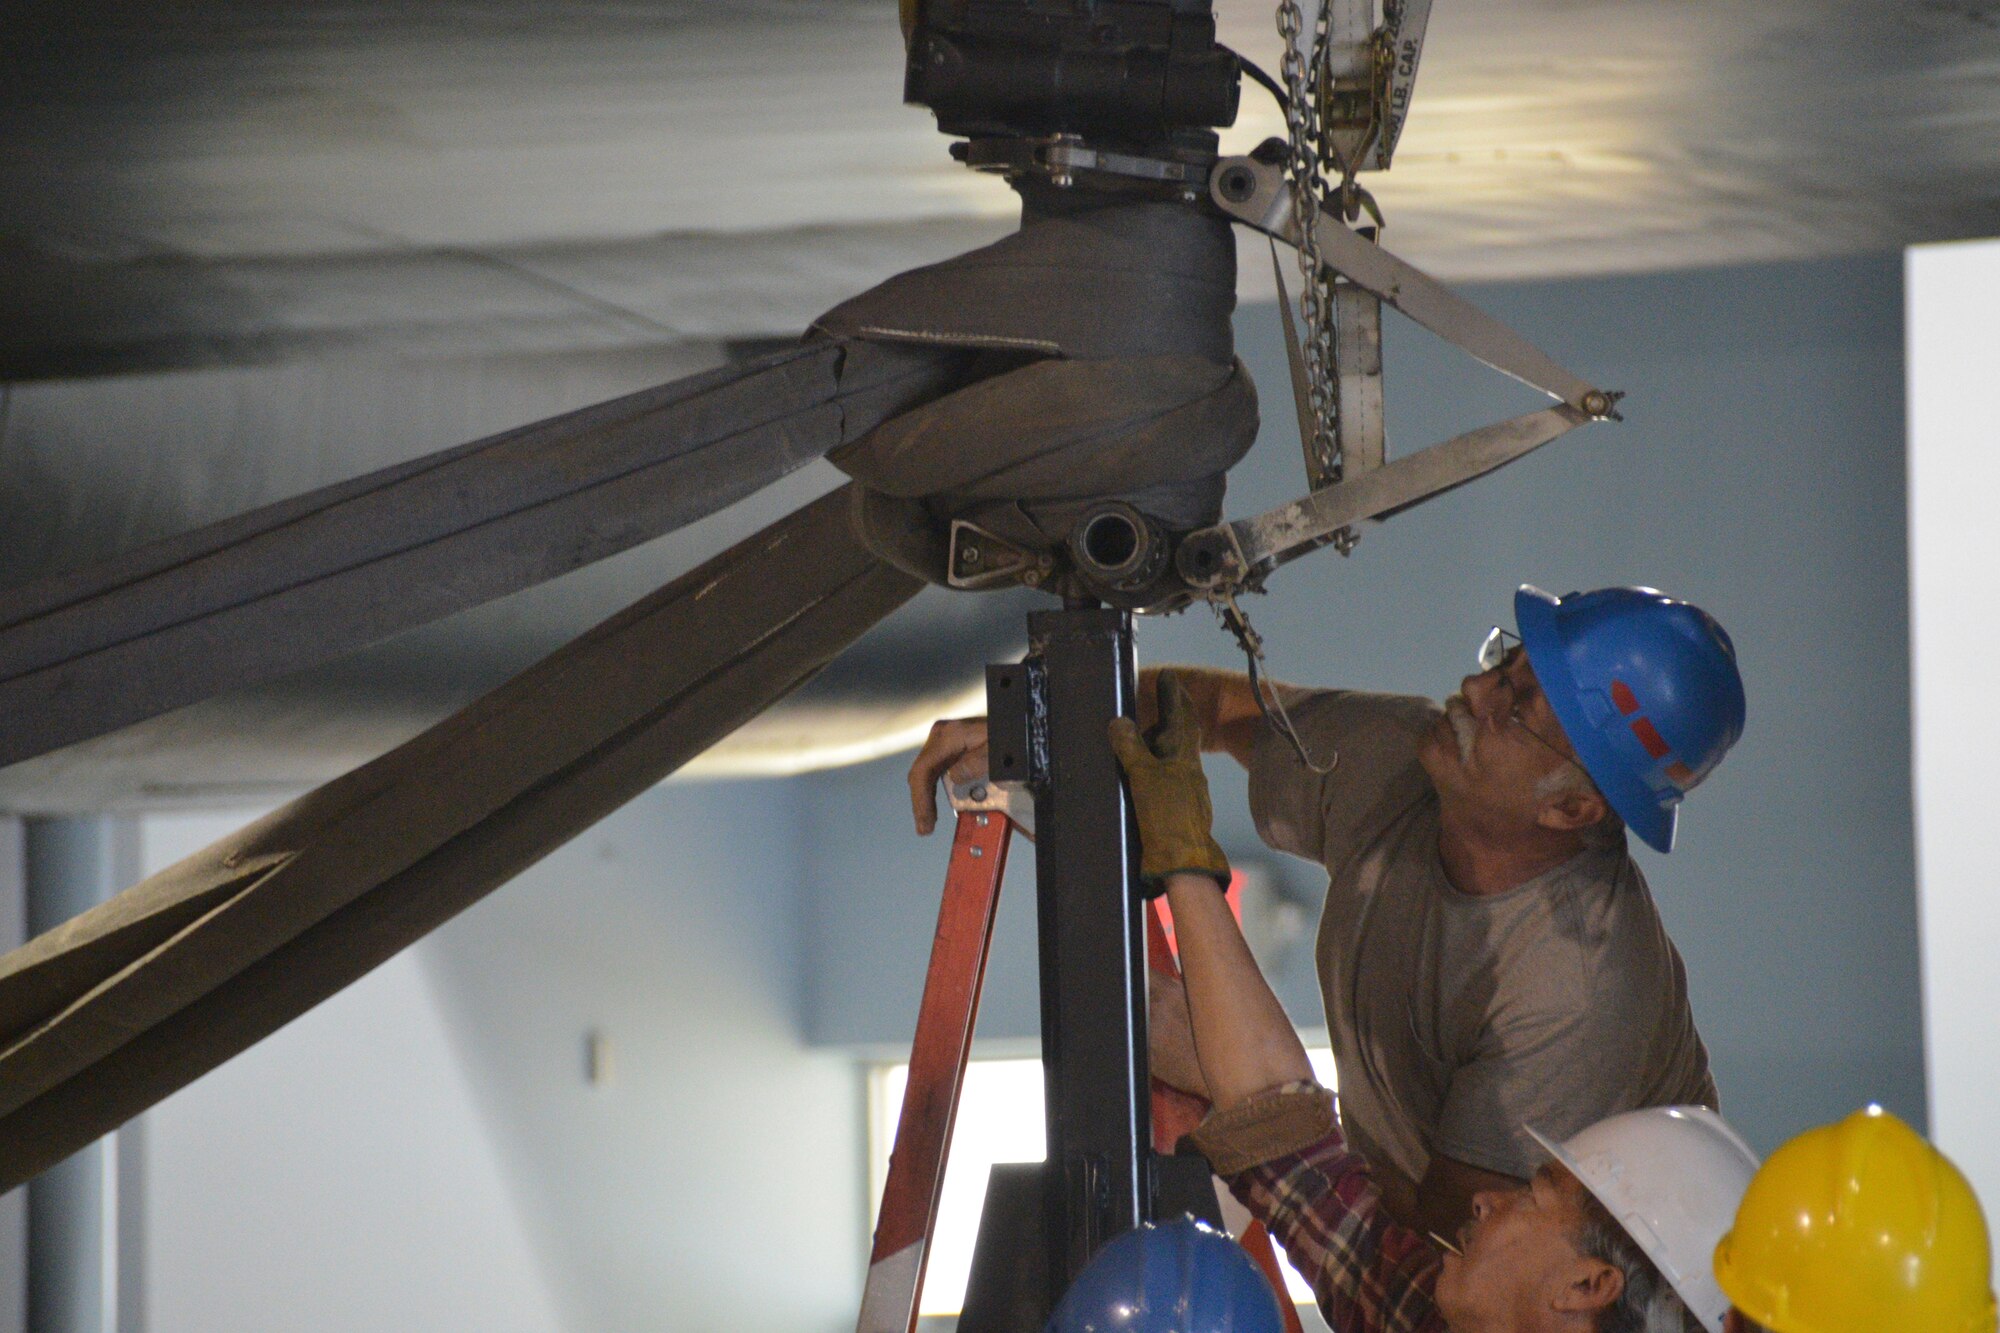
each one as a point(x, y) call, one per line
point(1169, 1277)
point(1646, 689)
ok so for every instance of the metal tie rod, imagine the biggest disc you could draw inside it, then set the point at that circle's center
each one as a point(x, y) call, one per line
point(1231, 553)
point(1255, 194)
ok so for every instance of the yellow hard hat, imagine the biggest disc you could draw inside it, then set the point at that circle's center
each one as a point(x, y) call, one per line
point(1859, 1226)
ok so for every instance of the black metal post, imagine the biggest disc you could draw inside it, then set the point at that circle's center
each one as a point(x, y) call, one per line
point(1048, 721)
point(1093, 943)
point(1081, 674)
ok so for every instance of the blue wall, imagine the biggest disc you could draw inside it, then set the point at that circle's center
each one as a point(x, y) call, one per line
point(716, 1181)
point(1759, 472)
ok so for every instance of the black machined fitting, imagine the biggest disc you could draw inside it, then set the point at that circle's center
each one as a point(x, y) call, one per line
point(1130, 72)
point(1118, 550)
point(1206, 559)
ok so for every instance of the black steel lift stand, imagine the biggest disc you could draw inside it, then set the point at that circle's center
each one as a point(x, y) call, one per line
point(1107, 1121)
point(1048, 719)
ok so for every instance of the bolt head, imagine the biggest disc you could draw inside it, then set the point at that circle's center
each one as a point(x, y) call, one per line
point(1237, 184)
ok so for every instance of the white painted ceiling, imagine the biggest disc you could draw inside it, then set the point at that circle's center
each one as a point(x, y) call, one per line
point(227, 178)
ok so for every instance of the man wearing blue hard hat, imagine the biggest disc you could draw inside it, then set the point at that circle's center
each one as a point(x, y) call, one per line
point(1489, 954)
point(1613, 1234)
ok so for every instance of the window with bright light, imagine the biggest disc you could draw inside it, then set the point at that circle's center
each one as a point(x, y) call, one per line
point(999, 1120)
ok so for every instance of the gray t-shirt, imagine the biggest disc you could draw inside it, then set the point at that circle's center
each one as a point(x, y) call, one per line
point(1457, 1019)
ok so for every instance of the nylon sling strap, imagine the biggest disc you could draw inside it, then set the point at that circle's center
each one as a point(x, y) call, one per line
point(191, 966)
point(287, 586)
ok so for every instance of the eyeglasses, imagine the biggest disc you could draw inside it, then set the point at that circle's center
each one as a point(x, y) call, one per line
point(1498, 645)
point(1498, 649)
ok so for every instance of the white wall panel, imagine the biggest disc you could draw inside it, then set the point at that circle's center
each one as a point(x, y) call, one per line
point(1954, 403)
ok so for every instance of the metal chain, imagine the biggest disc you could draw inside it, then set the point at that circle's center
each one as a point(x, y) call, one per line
point(1302, 165)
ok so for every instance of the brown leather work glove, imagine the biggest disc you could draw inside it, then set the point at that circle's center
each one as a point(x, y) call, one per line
point(1169, 790)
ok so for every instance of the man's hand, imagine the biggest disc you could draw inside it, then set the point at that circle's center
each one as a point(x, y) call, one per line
point(1169, 790)
point(955, 751)
point(1225, 708)
point(1170, 1036)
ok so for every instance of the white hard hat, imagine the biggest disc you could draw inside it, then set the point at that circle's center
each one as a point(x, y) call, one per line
point(1672, 1176)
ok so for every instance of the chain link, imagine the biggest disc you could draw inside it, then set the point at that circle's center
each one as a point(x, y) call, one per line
point(1302, 124)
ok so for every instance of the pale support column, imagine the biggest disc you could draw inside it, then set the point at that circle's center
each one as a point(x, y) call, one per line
point(1953, 342)
point(83, 1255)
point(13, 1204)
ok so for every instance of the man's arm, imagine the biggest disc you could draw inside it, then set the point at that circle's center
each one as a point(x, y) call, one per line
point(1225, 708)
point(1243, 1040)
point(1368, 1274)
point(1273, 1138)
point(1272, 1131)
point(1170, 1055)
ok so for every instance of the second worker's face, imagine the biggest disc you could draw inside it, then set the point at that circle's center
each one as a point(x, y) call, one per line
point(1520, 1265)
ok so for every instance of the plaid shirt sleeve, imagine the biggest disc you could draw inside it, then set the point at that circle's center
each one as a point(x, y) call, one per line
point(1368, 1274)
